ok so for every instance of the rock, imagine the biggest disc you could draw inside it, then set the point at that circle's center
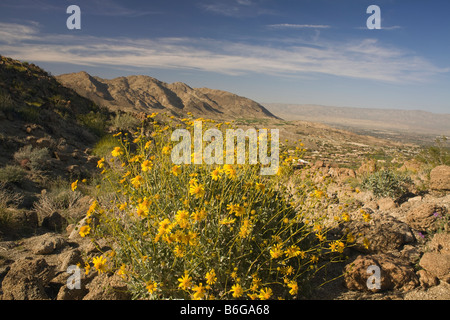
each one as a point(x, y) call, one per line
point(384, 232)
point(440, 292)
point(424, 216)
point(27, 279)
point(105, 287)
point(415, 199)
point(395, 273)
point(386, 204)
point(426, 279)
point(411, 165)
point(70, 258)
point(66, 293)
point(45, 143)
point(54, 222)
point(74, 170)
point(367, 167)
point(437, 264)
point(440, 178)
point(47, 243)
point(22, 220)
point(440, 243)
point(75, 233)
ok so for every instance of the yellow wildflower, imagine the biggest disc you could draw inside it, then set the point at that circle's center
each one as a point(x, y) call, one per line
point(294, 287)
point(122, 271)
point(116, 152)
point(84, 231)
point(199, 215)
point(146, 166)
point(87, 267)
point(148, 144)
point(211, 277)
point(215, 174)
point(185, 281)
point(265, 293)
point(182, 218)
point(276, 252)
point(260, 186)
point(176, 170)
point(74, 185)
point(237, 290)
point(197, 189)
point(101, 163)
point(179, 252)
point(151, 286)
point(100, 264)
point(137, 181)
point(227, 221)
point(199, 292)
point(292, 251)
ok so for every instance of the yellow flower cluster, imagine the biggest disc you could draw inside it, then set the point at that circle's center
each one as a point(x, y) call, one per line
point(204, 231)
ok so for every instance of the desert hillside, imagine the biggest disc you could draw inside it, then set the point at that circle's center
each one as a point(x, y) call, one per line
point(147, 94)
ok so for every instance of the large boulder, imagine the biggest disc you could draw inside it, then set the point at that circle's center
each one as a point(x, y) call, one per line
point(106, 287)
point(47, 243)
point(440, 178)
point(27, 279)
point(384, 233)
point(436, 261)
point(424, 216)
point(395, 274)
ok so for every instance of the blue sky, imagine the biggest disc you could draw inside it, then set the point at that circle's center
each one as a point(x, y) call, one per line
point(286, 51)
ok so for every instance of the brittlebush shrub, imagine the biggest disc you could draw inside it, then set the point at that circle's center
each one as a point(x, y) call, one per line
point(387, 183)
point(205, 231)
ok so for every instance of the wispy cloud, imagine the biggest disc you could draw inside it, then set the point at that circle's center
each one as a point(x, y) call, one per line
point(362, 59)
point(298, 26)
point(235, 8)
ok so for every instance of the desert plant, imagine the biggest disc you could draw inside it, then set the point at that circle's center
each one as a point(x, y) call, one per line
point(61, 200)
point(104, 146)
point(96, 122)
point(6, 102)
point(205, 231)
point(124, 122)
point(8, 200)
point(387, 183)
point(12, 174)
point(436, 155)
point(35, 159)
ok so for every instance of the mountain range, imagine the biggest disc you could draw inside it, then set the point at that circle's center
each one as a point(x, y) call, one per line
point(147, 94)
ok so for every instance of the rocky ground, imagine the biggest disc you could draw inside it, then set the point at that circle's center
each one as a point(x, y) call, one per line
point(410, 243)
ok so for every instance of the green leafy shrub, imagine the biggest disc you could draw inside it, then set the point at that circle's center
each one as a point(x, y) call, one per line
point(387, 183)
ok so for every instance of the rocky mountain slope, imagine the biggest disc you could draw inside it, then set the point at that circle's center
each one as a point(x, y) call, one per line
point(147, 94)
